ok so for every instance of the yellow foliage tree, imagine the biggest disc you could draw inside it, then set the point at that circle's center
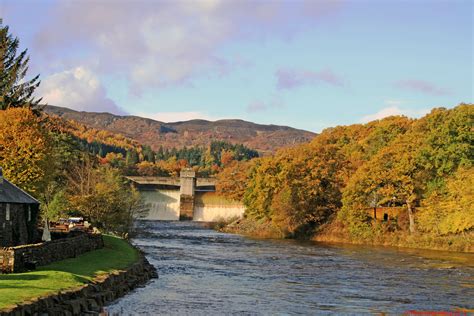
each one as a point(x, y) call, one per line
point(450, 210)
point(25, 148)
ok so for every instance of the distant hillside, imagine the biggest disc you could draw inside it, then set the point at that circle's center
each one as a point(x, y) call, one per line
point(264, 138)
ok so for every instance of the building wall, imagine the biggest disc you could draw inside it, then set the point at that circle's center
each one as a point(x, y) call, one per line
point(19, 229)
point(392, 212)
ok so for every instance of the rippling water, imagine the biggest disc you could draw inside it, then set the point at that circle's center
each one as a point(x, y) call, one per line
point(203, 272)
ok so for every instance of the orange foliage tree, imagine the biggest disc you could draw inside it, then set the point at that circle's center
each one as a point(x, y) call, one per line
point(25, 148)
point(232, 180)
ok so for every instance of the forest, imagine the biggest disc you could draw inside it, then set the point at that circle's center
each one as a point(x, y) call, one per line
point(75, 170)
point(74, 173)
point(327, 189)
point(133, 158)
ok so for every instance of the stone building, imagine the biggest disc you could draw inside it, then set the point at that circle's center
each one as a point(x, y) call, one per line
point(18, 215)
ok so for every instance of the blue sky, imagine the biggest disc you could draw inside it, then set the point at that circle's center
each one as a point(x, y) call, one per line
point(307, 64)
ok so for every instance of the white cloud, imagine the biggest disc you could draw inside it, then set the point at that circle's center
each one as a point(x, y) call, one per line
point(168, 117)
point(79, 89)
point(162, 43)
point(392, 111)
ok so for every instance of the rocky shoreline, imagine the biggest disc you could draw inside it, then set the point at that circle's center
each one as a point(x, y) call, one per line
point(90, 298)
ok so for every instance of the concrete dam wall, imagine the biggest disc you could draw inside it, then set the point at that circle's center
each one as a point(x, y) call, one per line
point(185, 198)
point(208, 207)
point(163, 204)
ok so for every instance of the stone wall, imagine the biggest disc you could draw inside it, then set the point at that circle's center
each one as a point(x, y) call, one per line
point(22, 258)
point(90, 298)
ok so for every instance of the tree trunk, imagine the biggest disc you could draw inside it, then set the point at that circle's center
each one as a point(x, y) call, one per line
point(411, 218)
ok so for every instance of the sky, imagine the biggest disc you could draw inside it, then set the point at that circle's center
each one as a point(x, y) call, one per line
point(308, 64)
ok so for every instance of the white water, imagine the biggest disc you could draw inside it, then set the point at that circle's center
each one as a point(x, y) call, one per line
point(164, 206)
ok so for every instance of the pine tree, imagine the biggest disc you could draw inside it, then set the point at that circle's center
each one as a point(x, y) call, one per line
point(14, 90)
point(131, 157)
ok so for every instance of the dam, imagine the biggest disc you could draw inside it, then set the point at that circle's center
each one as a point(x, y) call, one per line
point(185, 198)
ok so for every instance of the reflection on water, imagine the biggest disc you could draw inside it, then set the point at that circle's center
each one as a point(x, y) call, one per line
point(203, 272)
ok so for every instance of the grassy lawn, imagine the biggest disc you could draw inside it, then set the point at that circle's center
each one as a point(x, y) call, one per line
point(18, 287)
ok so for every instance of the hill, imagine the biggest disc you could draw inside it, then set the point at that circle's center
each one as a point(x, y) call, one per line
point(264, 138)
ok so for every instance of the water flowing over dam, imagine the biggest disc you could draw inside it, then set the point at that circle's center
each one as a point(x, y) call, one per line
point(204, 272)
point(164, 205)
point(186, 197)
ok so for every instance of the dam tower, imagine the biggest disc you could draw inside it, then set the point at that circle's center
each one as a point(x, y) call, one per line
point(187, 192)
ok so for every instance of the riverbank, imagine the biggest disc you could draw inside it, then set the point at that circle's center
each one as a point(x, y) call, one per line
point(251, 228)
point(334, 233)
point(84, 283)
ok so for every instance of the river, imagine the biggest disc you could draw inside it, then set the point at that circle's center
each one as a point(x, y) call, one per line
point(204, 272)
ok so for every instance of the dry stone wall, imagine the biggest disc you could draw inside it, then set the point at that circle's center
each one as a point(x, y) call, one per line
point(90, 298)
point(23, 258)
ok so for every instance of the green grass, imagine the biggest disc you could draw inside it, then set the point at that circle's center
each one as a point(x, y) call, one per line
point(70, 273)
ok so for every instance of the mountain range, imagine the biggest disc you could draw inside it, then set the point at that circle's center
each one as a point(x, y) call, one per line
point(264, 138)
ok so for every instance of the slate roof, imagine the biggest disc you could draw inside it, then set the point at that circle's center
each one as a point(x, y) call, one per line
point(10, 193)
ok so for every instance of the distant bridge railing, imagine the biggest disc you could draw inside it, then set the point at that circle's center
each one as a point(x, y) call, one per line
point(205, 182)
point(155, 180)
point(171, 181)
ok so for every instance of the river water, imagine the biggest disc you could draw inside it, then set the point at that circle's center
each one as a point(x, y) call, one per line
point(203, 272)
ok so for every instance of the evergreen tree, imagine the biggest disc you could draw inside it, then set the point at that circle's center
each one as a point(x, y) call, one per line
point(131, 157)
point(148, 154)
point(160, 155)
point(14, 90)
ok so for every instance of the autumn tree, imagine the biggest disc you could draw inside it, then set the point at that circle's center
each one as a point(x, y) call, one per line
point(146, 168)
point(227, 157)
point(65, 154)
point(298, 189)
point(101, 194)
point(450, 209)
point(15, 91)
point(414, 164)
point(232, 180)
point(342, 169)
point(393, 172)
point(25, 149)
